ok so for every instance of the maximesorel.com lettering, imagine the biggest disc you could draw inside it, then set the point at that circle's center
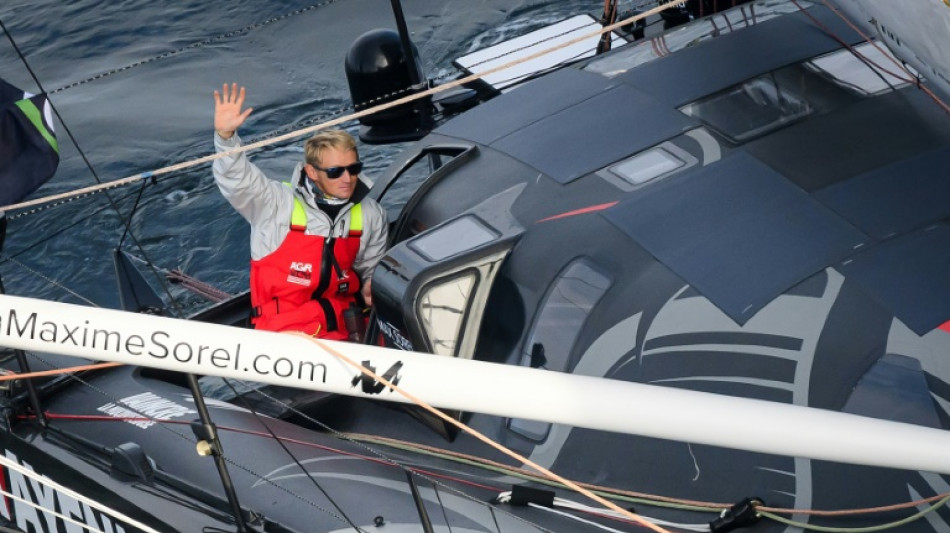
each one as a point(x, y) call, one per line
point(160, 345)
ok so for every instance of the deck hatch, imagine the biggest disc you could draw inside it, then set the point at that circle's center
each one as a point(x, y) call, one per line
point(860, 71)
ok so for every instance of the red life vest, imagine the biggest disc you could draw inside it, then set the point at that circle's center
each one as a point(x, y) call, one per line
point(306, 283)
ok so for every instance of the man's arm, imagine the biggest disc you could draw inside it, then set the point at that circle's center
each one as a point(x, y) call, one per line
point(241, 183)
point(372, 245)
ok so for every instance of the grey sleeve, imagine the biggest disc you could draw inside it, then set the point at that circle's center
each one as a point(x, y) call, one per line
point(373, 241)
point(242, 184)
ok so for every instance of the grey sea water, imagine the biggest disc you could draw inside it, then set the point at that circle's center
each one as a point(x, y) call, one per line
point(132, 84)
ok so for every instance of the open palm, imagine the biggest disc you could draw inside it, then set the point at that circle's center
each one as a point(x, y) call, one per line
point(228, 115)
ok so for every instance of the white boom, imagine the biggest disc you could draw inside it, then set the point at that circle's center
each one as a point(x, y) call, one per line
point(495, 389)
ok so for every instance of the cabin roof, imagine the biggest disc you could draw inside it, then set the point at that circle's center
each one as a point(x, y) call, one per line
point(855, 184)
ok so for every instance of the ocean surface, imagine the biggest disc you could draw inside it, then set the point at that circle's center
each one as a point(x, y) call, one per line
point(132, 84)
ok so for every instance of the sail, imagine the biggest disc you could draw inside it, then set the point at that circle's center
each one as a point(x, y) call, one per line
point(29, 152)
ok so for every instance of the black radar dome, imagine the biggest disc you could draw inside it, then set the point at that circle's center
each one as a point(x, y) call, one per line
point(377, 72)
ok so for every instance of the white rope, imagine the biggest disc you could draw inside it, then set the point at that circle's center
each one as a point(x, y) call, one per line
point(42, 509)
point(75, 495)
point(339, 120)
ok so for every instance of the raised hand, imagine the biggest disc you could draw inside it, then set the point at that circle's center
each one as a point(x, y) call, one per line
point(227, 110)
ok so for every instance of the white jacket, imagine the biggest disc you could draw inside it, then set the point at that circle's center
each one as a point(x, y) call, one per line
point(267, 204)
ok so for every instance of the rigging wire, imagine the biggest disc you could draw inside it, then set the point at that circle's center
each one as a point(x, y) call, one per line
point(50, 236)
point(877, 69)
point(911, 77)
point(487, 464)
point(58, 371)
point(805, 525)
point(107, 186)
point(521, 473)
point(382, 458)
point(868, 529)
point(178, 277)
point(166, 423)
point(595, 524)
point(293, 457)
point(935, 502)
point(6, 258)
point(336, 121)
point(126, 221)
point(379, 379)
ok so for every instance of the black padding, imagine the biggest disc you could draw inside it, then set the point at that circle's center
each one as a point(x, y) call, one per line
point(598, 131)
point(897, 198)
point(738, 232)
point(523, 495)
point(524, 105)
point(738, 56)
point(909, 275)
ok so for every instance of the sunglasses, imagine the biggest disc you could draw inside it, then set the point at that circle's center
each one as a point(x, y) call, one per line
point(335, 172)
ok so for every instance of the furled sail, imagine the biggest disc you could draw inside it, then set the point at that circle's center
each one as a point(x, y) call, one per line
point(29, 153)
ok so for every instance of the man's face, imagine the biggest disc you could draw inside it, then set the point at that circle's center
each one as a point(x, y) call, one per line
point(341, 187)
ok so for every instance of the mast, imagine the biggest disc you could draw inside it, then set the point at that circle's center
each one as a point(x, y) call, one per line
point(403, 31)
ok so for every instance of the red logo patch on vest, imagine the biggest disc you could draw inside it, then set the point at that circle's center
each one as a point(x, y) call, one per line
point(300, 273)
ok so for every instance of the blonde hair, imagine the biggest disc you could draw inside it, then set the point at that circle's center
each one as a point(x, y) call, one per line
point(337, 139)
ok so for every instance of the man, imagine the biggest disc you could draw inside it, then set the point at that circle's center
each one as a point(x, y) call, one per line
point(315, 240)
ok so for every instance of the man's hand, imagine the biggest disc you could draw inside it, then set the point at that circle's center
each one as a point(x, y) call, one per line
point(227, 110)
point(367, 292)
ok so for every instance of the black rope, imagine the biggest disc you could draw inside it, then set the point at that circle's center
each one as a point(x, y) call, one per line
point(393, 462)
point(135, 207)
point(878, 71)
point(169, 428)
point(445, 515)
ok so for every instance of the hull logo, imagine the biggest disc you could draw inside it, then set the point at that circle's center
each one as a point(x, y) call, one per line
point(372, 386)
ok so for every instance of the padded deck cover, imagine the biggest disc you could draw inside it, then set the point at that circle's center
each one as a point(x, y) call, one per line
point(570, 123)
point(737, 231)
point(594, 133)
point(910, 275)
point(525, 105)
point(897, 198)
point(736, 57)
